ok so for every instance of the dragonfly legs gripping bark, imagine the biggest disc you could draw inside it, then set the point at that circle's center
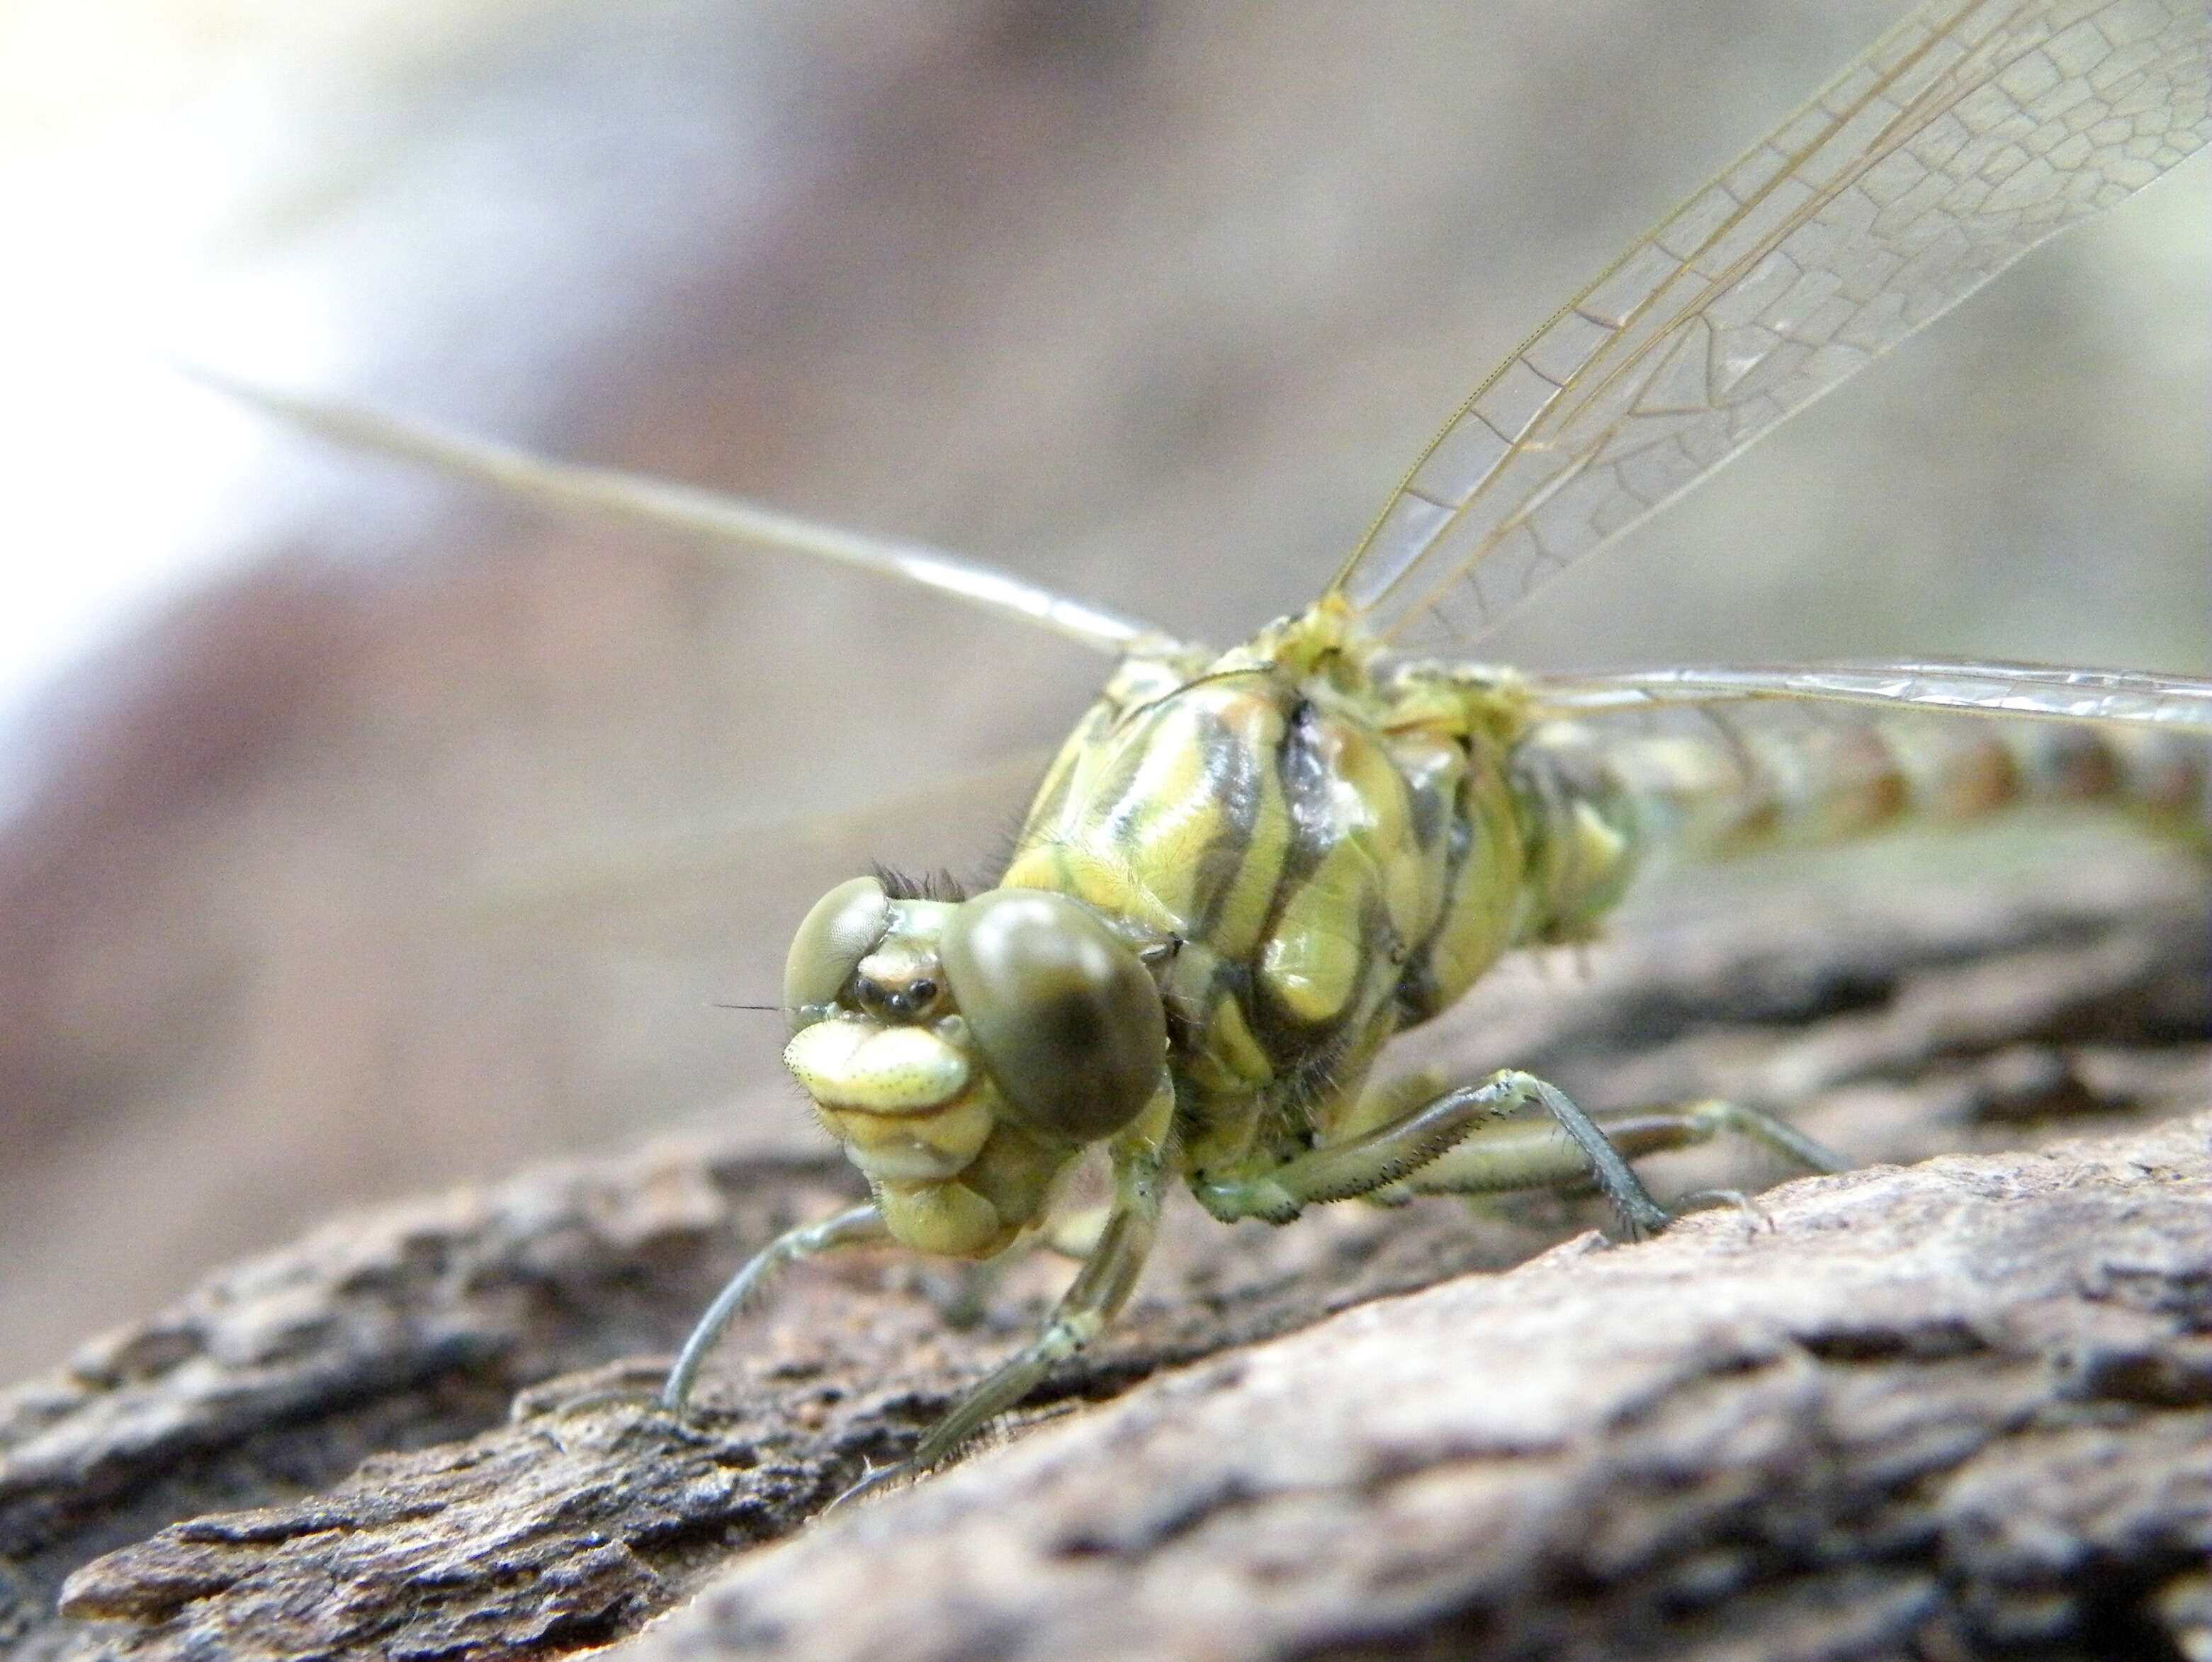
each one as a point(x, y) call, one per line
point(1094, 1298)
point(1398, 1149)
point(1529, 1153)
point(1461, 1142)
point(862, 1226)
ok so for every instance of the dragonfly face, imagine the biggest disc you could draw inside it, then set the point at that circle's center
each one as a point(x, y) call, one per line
point(965, 1052)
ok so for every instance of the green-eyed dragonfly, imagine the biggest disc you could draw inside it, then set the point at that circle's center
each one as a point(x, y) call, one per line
point(1247, 871)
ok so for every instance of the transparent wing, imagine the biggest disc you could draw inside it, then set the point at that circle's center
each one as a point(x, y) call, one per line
point(704, 518)
point(2175, 703)
point(1966, 135)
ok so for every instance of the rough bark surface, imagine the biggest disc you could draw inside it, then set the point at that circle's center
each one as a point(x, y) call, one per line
point(1958, 1409)
point(1906, 1410)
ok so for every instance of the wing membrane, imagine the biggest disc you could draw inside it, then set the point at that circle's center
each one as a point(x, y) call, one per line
point(2178, 704)
point(708, 518)
point(1967, 134)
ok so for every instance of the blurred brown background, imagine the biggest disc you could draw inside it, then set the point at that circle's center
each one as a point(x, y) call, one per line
point(412, 836)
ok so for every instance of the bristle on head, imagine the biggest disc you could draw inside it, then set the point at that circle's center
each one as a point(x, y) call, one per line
point(938, 885)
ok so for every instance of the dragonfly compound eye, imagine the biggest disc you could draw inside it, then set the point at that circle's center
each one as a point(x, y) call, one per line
point(1066, 1020)
point(843, 928)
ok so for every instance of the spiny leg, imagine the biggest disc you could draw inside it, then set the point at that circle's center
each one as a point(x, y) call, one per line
point(862, 1226)
point(1096, 1296)
point(1530, 1153)
point(1410, 1142)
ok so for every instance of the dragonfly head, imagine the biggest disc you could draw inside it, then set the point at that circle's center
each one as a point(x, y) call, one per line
point(965, 1052)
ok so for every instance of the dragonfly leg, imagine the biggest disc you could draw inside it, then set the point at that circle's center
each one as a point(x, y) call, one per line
point(1073, 1235)
point(1529, 1154)
point(1093, 1298)
point(1404, 1149)
point(862, 1226)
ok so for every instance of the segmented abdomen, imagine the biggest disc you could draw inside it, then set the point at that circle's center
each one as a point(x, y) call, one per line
point(1717, 782)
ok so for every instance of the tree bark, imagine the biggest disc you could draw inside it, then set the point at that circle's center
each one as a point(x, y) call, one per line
point(1957, 1408)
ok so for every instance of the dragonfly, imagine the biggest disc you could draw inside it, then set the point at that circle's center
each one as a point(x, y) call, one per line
point(1247, 871)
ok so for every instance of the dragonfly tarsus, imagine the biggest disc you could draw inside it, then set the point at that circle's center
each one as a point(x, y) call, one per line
point(861, 1226)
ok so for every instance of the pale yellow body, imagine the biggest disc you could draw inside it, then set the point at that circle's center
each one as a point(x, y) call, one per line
point(1314, 854)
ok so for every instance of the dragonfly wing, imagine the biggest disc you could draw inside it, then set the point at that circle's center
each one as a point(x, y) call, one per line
point(1967, 134)
point(2178, 704)
point(704, 518)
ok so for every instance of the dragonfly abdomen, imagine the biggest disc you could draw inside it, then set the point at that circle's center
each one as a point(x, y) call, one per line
point(1718, 782)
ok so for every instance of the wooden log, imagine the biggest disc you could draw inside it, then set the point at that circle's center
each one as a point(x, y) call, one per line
point(1961, 1405)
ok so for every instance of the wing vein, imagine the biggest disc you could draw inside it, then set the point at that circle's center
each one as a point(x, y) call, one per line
point(1971, 131)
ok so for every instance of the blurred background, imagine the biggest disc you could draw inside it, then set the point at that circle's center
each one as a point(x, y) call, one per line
point(359, 832)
